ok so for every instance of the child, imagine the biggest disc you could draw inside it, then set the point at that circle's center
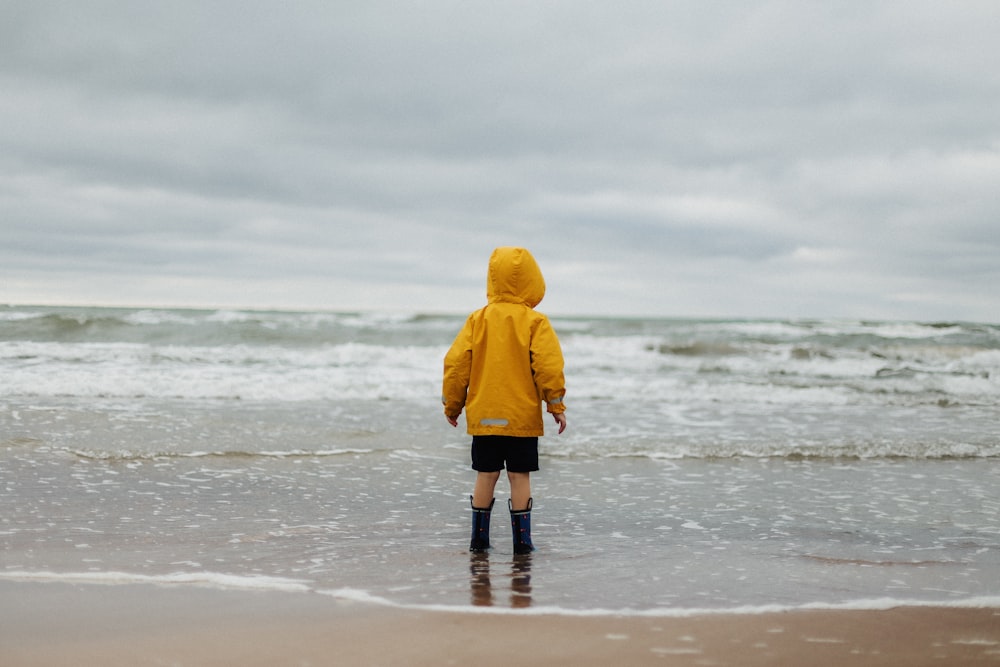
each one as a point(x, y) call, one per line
point(505, 361)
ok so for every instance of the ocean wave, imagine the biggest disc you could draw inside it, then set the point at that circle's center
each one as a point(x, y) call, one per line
point(597, 448)
point(201, 579)
point(872, 604)
point(793, 452)
point(132, 370)
point(124, 456)
point(263, 583)
point(776, 372)
point(218, 327)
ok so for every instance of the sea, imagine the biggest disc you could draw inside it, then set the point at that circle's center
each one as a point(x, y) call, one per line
point(709, 465)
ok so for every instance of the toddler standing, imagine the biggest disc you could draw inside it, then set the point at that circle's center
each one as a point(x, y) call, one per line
point(505, 362)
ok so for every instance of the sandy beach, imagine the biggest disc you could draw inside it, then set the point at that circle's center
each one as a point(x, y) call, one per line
point(64, 624)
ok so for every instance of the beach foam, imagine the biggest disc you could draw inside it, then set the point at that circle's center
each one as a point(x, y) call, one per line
point(204, 579)
point(279, 584)
point(879, 604)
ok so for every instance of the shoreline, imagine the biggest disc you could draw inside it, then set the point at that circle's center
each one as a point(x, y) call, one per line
point(49, 624)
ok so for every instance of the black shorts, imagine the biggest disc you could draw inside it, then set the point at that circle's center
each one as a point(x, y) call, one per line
point(491, 452)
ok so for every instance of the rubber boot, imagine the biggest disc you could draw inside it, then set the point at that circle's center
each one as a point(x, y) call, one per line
point(520, 525)
point(480, 527)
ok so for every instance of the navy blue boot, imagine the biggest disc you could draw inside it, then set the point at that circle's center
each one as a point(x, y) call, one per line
point(520, 524)
point(480, 527)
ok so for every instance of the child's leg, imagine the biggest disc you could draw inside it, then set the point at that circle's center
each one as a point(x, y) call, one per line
point(520, 511)
point(482, 494)
point(520, 489)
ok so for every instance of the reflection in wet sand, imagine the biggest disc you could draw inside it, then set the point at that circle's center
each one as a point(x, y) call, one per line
point(481, 587)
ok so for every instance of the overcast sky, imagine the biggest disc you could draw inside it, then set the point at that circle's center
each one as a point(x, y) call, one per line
point(743, 158)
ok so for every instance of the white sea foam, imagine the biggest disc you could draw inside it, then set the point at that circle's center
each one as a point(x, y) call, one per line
point(878, 604)
point(351, 370)
point(16, 316)
point(690, 388)
point(654, 367)
point(124, 455)
point(204, 579)
point(280, 584)
point(154, 317)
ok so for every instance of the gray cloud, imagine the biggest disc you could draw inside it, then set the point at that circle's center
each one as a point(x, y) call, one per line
point(719, 158)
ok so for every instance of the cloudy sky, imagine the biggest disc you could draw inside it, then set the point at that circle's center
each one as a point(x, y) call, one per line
point(703, 158)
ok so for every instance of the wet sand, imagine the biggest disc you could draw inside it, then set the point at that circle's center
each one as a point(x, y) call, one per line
point(127, 625)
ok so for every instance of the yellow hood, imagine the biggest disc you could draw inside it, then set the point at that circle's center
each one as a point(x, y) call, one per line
point(514, 277)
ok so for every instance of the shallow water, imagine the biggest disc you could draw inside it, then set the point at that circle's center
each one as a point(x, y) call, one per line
point(618, 533)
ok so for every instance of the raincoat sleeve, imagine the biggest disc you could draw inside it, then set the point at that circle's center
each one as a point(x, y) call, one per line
point(457, 370)
point(547, 367)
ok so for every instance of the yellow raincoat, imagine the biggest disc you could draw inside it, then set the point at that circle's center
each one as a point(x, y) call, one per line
point(506, 360)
